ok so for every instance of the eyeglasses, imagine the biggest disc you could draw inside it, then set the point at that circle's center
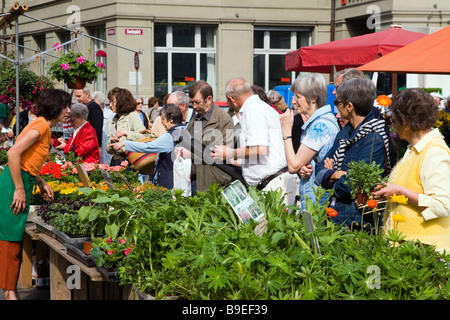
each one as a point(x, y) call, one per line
point(140, 103)
point(337, 102)
point(197, 103)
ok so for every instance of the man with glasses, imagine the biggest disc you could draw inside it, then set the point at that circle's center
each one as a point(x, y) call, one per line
point(261, 155)
point(211, 126)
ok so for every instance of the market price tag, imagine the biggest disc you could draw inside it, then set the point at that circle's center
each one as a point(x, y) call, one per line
point(125, 180)
point(309, 224)
point(108, 179)
point(83, 175)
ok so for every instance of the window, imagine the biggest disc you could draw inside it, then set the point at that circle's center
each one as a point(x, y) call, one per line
point(183, 54)
point(270, 48)
point(100, 33)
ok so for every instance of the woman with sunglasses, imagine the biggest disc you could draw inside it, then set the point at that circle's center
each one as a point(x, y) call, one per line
point(364, 138)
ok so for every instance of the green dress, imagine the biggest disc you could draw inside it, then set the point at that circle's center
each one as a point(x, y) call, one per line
point(12, 226)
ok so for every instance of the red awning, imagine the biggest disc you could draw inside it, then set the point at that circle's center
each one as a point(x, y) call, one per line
point(350, 52)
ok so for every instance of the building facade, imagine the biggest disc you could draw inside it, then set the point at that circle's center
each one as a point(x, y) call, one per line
point(184, 41)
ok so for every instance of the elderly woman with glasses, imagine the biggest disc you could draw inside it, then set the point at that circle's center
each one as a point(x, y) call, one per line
point(318, 132)
point(364, 138)
point(83, 142)
point(422, 176)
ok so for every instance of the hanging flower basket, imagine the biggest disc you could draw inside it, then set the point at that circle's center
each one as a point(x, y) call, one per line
point(72, 67)
point(79, 83)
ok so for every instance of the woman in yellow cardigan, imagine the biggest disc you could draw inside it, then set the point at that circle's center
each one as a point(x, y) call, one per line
point(422, 175)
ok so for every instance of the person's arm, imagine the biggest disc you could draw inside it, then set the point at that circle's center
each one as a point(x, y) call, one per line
point(234, 155)
point(435, 201)
point(46, 190)
point(27, 141)
point(162, 144)
point(136, 127)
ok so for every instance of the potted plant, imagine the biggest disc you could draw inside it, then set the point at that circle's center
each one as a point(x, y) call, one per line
point(363, 177)
point(75, 70)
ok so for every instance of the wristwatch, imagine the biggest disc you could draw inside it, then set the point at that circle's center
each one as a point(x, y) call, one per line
point(235, 154)
point(287, 137)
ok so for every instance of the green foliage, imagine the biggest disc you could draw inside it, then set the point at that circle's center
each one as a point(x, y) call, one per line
point(195, 248)
point(87, 69)
point(70, 224)
point(110, 253)
point(30, 84)
point(364, 176)
point(3, 156)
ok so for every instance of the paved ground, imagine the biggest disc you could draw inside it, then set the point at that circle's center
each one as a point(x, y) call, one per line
point(31, 294)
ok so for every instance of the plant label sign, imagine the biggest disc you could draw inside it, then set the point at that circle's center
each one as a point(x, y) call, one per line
point(107, 178)
point(83, 175)
point(242, 204)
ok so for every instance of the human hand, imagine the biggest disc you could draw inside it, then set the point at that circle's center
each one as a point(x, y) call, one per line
point(19, 201)
point(287, 121)
point(385, 191)
point(47, 191)
point(222, 153)
point(306, 171)
point(117, 145)
point(185, 153)
point(328, 163)
point(121, 133)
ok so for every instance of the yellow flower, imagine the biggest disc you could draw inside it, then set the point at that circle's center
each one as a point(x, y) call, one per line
point(398, 218)
point(399, 199)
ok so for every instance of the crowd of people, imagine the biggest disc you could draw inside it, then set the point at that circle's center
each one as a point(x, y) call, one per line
point(273, 146)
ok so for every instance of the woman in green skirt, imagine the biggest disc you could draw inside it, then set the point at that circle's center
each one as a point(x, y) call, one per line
point(25, 159)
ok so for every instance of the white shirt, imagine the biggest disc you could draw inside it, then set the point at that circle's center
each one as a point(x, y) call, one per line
point(75, 132)
point(435, 178)
point(260, 126)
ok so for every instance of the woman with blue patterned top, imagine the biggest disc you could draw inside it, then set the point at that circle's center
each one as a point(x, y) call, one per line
point(319, 131)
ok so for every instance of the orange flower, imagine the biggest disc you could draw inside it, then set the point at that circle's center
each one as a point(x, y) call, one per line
point(331, 212)
point(372, 204)
point(384, 100)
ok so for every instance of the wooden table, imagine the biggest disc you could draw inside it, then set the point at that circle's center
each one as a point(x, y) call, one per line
point(93, 286)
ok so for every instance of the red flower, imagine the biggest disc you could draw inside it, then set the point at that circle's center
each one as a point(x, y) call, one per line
point(101, 53)
point(331, 212)
point(51, 168)
point(372, 204)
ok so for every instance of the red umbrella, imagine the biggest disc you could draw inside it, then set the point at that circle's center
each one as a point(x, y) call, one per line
point(350, 52)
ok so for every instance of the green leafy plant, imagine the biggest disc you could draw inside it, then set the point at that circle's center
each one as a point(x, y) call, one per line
point(196, 248)
point(70, 224)
point(113, 212)
point(364, 177)
point(72, 65)
point(111, 253)
point(30, 84)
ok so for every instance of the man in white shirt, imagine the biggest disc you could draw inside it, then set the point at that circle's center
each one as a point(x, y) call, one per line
point(261, 155)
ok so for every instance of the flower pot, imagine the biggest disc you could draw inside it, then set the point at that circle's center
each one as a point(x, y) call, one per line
point(80, 83)
point(87, 246)
point(361, 197)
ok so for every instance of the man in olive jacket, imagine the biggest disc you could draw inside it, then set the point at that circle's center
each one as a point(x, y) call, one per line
point(210, 126)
